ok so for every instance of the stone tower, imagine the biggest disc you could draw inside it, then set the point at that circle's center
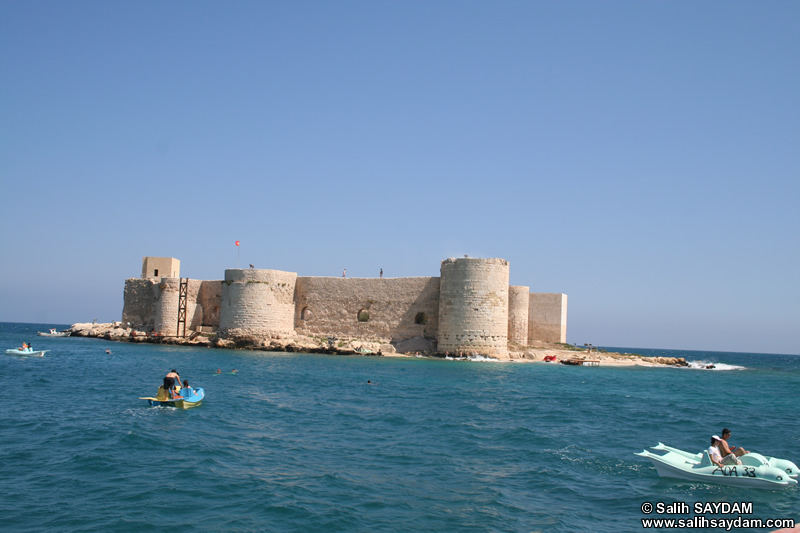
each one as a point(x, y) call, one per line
point(257, 302)
point(473, 306)
point(165, 320)
point(518, 300)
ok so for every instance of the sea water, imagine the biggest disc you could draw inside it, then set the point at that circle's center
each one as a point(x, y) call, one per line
point(299, 442)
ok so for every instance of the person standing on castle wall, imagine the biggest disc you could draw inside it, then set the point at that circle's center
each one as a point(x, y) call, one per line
point(344, 273)
point(381, 272)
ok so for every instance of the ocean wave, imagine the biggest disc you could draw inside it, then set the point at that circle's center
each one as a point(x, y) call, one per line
point(476, 357)
point(709, 365)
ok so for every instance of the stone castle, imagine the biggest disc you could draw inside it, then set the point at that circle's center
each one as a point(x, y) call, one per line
point(470, 308)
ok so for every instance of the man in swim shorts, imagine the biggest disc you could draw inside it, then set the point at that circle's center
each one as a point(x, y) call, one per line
point(726, 449)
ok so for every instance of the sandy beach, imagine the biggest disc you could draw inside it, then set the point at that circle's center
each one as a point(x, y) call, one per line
point(602, 358)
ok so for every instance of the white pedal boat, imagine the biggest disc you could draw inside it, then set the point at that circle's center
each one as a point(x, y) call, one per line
point(26, 352)
point(756, 470)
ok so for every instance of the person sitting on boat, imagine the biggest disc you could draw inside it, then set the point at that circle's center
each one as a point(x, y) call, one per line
point(187, 390)
point(725, 448)
point(717, 458)
point(24, 347)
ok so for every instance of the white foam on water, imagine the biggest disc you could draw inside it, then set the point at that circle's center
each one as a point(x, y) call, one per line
point(708, 365)
point(476, 357)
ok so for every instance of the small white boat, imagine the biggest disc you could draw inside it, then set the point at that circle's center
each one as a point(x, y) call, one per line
point(755, 471)
point(54, 333)
point(27, 352)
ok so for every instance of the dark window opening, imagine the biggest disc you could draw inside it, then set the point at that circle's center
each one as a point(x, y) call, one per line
point(155, 273)
point(421, 318)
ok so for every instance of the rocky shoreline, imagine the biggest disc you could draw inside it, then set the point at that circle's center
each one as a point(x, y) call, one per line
point(420, 347)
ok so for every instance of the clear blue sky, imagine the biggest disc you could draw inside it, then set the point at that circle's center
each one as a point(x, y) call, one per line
point(641, 157)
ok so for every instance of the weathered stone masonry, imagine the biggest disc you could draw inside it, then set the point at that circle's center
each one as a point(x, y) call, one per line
point(257, 303)
point(470, 308)
point(473, 306)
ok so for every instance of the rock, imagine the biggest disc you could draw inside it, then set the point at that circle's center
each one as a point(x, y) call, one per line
point(223, 343)
point(415, 344)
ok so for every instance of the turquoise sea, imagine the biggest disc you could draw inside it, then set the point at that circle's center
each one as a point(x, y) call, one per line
point(298, 442)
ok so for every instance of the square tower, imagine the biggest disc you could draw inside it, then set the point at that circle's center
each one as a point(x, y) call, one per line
point(160, 267)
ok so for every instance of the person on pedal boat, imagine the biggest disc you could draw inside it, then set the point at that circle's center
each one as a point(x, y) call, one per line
point(725, 448)
point(168, 390)
point(717, 458)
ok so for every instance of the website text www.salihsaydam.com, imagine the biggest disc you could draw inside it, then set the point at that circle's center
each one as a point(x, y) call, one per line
point(727, 524)
point(701, 521)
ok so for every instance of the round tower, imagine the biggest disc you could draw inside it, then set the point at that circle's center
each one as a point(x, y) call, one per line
point(257, 303)
point(165, 320)
point(473, 306)
point(518, 314)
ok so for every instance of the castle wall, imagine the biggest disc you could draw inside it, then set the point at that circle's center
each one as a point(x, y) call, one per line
point(470, 308)
point(547, 317)
point(257, 302)
point(518, 303)
point(195, 310)
point(153, 305)
point(209, 298)
point(473, 306)
point(139, 302)
point(397, 308)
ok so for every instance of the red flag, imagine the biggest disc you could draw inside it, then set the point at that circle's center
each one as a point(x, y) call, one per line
point(237, 243)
